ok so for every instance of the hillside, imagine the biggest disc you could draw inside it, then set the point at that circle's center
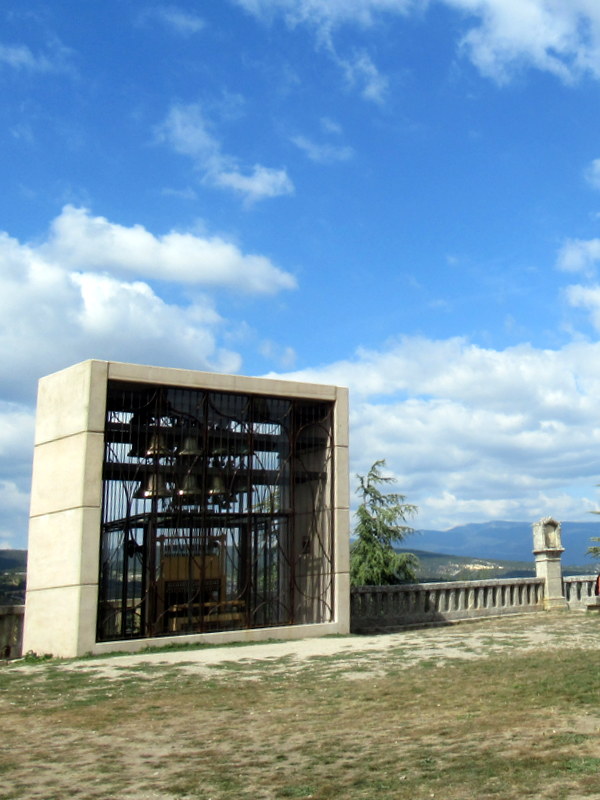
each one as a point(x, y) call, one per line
point(13, 570)
point(450, 567)
point(508, 541)
point(13, 559)
point(475, 551)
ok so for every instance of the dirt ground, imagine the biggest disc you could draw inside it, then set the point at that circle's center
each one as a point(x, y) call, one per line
point(335, 717)
point(476, 639)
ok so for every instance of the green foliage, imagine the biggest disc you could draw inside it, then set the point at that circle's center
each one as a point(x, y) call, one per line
point(12, 587)
point(381, 519)
point(32, 657)
point(594, 550)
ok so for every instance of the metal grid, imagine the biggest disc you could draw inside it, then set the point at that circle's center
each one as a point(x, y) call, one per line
point(217, 512)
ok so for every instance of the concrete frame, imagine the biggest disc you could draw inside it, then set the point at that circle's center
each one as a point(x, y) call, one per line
point(66, 506)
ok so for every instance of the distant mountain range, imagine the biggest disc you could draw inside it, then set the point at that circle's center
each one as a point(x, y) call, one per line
point(13, 559)
point(449, 567)
point(455, 553)
point(508, 541)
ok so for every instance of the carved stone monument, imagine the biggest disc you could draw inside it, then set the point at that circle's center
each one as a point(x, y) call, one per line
point(548, 549)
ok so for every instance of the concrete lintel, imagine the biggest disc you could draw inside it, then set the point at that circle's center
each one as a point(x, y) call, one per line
point(219, 382)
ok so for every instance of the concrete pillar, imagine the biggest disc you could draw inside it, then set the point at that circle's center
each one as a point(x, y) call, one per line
point(66, 501)
point(548, 549)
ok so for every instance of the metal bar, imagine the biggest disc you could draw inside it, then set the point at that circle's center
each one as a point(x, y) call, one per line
point(257, 458)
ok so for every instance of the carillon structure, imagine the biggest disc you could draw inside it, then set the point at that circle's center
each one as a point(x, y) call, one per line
point(169, 503)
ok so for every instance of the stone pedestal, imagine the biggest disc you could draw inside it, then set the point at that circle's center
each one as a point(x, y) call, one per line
point(548, 549)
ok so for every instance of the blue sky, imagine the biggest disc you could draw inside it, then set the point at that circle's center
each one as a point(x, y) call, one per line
point(398, 196)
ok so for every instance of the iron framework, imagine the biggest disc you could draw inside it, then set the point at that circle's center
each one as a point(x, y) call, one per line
point(217, 512)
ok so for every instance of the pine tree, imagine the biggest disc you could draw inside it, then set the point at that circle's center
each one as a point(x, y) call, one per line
point(381, 519)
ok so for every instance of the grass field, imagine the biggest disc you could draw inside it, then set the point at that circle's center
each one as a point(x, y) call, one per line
point(487, 716)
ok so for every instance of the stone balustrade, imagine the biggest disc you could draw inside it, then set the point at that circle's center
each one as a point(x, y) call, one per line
point(380, 608)
point(11, 631)
point(579, 590)
point(374, 608)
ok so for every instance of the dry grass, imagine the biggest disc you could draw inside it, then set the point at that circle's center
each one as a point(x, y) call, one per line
point(521, 722)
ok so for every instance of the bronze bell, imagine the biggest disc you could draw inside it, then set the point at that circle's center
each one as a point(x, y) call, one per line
point(158, 446)
point(189, 487)
point(191, 447)
point(156, 486)
point(216, 486)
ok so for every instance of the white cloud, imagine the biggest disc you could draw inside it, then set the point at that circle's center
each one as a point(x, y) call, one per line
point(51, 317)
point(12, 498)
point(579, 255)
point(588, 298)
point(21, 58)
point(81, 241)
point(474, 433)
point(16, 447)
point(592, 173)
point(447, 508)
point(15, 430)
point(110, 311)
point(14, 502)
point(285, 357)
point(322, 153)
point(360, 71)
point(553, 37)
point(6, 544)
point(561, 37)
point(187, 131)
point(260, 183)
point(183, 194)
point(330, 125)
point(70, 297)
point(182, 22)
point(325, 15)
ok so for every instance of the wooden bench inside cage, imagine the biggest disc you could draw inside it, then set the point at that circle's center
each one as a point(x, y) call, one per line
point(193, 594)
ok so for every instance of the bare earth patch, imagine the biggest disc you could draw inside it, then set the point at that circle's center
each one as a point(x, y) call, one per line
point(503, 708)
